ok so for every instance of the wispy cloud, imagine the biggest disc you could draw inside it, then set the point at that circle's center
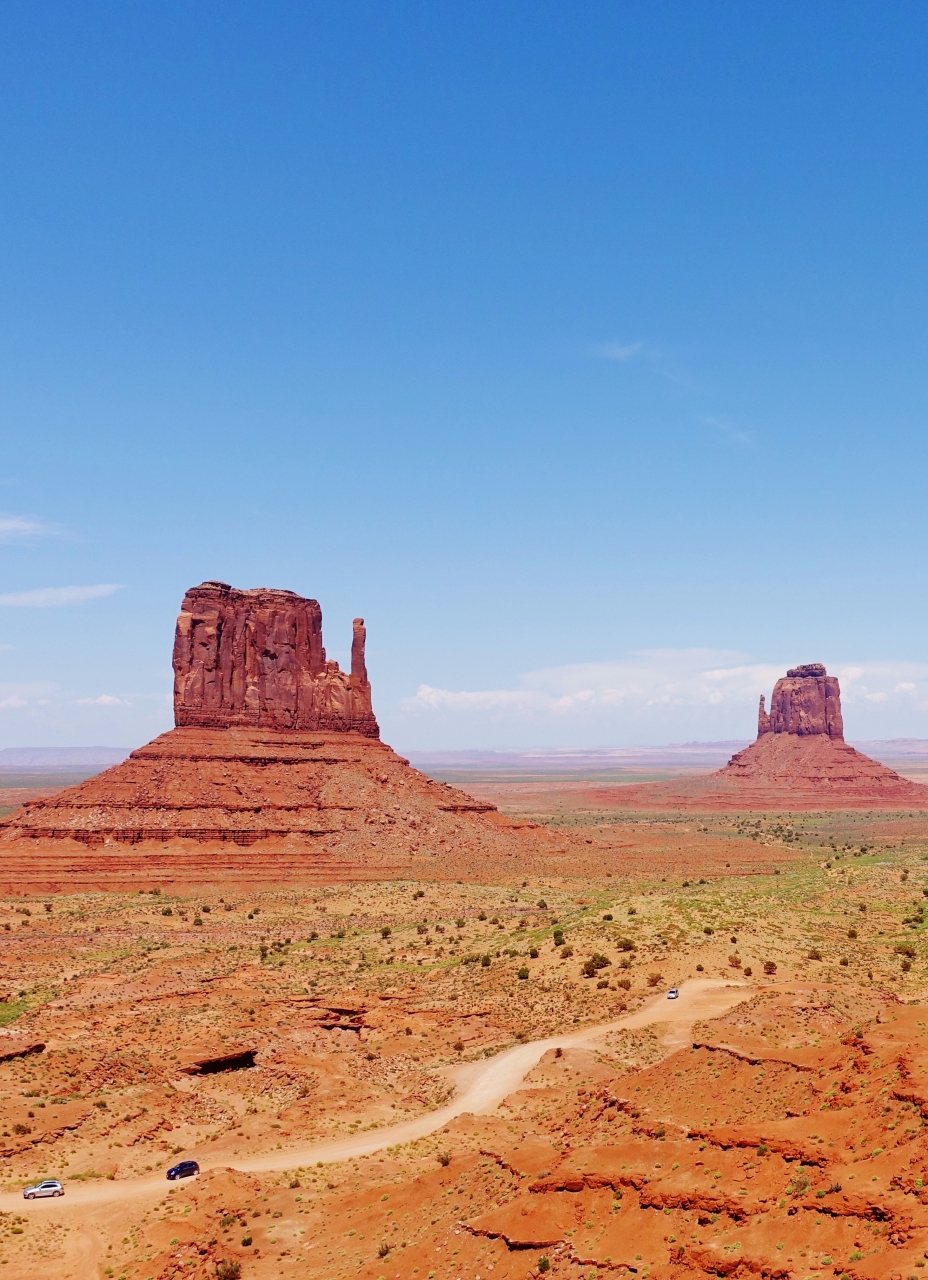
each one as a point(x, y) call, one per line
point(104, 700)
point(51, 597)
point(16, 695)
point(665, 693)
point(619, 350)
point(732, 434)
point(23, 528)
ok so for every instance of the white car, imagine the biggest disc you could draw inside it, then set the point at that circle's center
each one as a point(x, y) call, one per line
point(50, 1187)
point(673, 993)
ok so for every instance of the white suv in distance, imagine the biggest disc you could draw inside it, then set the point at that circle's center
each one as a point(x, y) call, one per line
point(50, 1187)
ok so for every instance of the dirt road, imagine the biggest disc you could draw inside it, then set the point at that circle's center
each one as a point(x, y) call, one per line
point(481, 1087)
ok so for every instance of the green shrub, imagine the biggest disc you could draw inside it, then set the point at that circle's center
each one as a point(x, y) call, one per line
point(228, 1269)
point(166, 911)
point(523, 972)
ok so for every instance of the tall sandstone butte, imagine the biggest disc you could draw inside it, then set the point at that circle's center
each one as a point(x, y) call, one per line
point(805, 701)
point(256, 658)
point(798, 761)
point(274, 747)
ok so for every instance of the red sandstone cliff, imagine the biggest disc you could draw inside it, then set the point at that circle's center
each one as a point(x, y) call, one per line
point(274, 747)
point(799, 761)
point(805, 701)
point(255, 658)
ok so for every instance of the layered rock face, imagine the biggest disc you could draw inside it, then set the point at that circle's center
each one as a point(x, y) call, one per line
point(255, 658)
point(799, 761)
point(275, 762)
point(806, 701)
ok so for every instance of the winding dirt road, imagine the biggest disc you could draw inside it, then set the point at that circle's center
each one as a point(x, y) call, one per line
point(481, 1087)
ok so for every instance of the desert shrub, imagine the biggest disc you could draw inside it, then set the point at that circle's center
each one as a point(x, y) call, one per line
point(443, 1158)
point(747, 971)
point(632, 911)
point(735, 962)
point(566, 952)
point(458, 1046)
point(834, 1186)
point(197, 920)
point(542, 905)
point(655, 979)
point(421, 928)
point(852, 933)
point(21, 1129)
point(624, 984)
point(228, 1269)
point(246, 1241)
point(485, 961)
point(844, 961)
point(385, 931)
point(544, 1264)
point(603, 984)
point(608, 915)
point(206, 908)
point(905, 949)
point(596, 962)
point(166, 911)
point(700, 968)
point(814, 953)
point(906, 966)
point(533, 952)
point(708, 930)
point(763, 1149)
point(313, 936)
point(383, 1250)
point(799, 1185)
point(459, 922)
point(420, 893)
point(558, 937)
point(482, 916)
point(626, 944)
point(770, 967)
point(523, 972)
point(226, 1221)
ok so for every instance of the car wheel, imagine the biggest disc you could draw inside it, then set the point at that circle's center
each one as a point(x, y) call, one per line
point(59, 1193)
point(31, 1195)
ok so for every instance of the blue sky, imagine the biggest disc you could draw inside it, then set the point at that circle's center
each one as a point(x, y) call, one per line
point(580, 348)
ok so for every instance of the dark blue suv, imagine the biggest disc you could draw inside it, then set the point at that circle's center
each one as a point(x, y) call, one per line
point(186, 1169)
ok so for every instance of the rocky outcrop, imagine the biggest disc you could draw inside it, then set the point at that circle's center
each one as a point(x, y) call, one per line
point(256, 659)
point(806, 701)
point(800, 761)
point(275, 749)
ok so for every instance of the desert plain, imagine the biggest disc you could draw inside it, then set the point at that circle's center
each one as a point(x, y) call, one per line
point(468, 1074)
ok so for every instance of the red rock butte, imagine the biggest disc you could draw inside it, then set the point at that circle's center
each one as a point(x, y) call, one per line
point(799, 761)
point(275, 771)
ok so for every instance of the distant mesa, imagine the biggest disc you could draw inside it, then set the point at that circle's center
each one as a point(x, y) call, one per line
point(275, 762)
point(799, 761)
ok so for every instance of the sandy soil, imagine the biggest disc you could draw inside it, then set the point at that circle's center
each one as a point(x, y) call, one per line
point(452, 1076)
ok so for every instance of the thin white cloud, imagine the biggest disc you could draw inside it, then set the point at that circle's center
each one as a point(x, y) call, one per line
point(104, 700)
point(15, 695)
point(668, 693)
point(51, 597)
point(22, 528)
point(732, 434)
point(619, 350)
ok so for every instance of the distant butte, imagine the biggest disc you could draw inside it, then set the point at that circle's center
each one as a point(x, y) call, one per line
point(274, 771)
point(799, 761)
